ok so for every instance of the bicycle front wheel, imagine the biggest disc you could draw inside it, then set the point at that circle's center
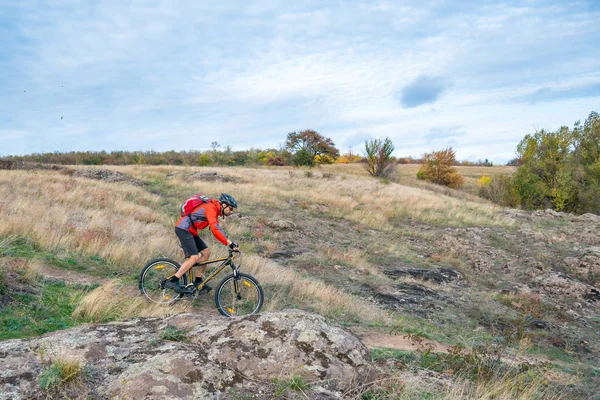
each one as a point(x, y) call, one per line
point(241, 295)
point(152, 278)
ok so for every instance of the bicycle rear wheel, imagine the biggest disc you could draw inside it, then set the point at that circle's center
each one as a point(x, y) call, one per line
point(241, 295)
point(152, 277)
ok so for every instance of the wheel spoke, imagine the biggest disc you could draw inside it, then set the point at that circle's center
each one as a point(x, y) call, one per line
point(152, 278)
point(239, 296)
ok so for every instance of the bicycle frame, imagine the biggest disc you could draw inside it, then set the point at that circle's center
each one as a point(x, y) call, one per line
point(225, 262)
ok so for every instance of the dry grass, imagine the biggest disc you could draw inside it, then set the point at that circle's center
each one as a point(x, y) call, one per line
point(287, 288)
point(353, 197)
point(120, 222)
point(113, 221)
point(508, 387)
point(113, 301)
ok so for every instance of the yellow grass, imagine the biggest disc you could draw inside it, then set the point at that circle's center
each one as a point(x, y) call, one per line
point(114, 301)
point(113, 221)
point(287, 286)
point(357, 198)
point(121, 222)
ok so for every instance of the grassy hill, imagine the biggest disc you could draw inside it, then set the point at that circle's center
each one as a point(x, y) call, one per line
point(489, 302)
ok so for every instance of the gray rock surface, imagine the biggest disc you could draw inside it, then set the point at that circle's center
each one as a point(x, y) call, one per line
point(133, 360)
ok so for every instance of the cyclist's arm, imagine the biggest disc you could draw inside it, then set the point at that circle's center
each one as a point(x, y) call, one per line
point(215, 228)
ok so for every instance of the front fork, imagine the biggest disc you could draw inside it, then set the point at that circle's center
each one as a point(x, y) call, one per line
point(236, 283)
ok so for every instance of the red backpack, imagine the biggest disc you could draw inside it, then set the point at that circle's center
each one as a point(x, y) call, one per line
point(192, 203)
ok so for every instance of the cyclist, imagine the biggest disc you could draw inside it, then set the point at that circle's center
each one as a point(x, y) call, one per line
point(194, 248)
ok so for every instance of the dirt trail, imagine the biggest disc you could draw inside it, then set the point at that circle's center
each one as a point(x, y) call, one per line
point(372, 338)
point(69, 277)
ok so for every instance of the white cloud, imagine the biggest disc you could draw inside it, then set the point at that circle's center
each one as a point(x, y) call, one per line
point(140, 76)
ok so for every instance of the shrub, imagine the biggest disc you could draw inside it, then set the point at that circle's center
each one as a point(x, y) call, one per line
point(174, 334)
point(439, 168)
point(59, 372)
point(277, 160)
point(378, 157)
point(498, 189)
point(303, 157)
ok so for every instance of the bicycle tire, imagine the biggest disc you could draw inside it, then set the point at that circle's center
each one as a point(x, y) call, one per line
point(152, 274)
point(248, 300)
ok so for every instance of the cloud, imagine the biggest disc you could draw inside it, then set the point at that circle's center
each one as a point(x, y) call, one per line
point(573, 92)
point(158, 76)
point(444, 136)
point(423, 90)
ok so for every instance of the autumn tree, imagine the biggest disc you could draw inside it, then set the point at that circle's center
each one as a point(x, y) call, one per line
point(438, 167)
point(307, 144)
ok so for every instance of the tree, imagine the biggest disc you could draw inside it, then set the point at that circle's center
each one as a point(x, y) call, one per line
point(438, 168)
point(378, 155)
point(544, 177)
point(307, 144)
point(586, 158)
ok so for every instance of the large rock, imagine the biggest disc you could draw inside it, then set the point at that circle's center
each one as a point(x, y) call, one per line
point(130, 360)
point(106, 175)
point(561, 286)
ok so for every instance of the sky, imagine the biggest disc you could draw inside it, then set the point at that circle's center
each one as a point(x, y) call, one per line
point(179, 75)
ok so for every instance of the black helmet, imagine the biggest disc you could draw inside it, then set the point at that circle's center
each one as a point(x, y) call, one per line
point(228, 199)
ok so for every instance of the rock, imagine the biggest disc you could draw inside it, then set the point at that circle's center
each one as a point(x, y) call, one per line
point(539, 324)
point(562, 285)
point(106, 175)
point(585, 267)
point(587, 217)
point(130, 360)
point(439, 276)
point(282, 225)
point(174, 174)
point(211, 177)
point(283, 254)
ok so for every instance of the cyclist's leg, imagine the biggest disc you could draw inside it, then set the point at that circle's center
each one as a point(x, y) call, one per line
point(190, 250)
point(204, 254)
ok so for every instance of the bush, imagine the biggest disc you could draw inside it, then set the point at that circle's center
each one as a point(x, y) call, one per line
point(439, 168)
point(277, 160)
point(378, 157)
point(59, 372)
point(303, 157)
point(499, 190)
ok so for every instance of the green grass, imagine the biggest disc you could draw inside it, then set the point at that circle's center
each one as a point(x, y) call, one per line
point(174, 334)
point(31, 314)
point(554, 353)
point(25, 248)
point(382, 353)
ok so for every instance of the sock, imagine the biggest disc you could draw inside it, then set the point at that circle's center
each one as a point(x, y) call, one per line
point(198, 280)
point(174, 279)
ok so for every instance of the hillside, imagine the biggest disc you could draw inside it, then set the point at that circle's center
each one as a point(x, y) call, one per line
point(440, 285)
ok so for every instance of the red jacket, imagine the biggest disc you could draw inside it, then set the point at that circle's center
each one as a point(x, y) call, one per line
point(204, 215)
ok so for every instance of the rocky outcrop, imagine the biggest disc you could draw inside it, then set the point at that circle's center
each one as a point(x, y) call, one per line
point(561, 285)
point(211, 177)
point(136, 360)
point(107, 175)
point(439, 275)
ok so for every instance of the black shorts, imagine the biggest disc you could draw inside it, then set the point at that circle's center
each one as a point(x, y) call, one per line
point(192, 245)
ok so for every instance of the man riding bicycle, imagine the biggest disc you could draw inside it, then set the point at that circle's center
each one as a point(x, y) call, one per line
point(194, 248)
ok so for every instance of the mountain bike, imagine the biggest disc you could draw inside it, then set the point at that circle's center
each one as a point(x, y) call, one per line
point(237, 294)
